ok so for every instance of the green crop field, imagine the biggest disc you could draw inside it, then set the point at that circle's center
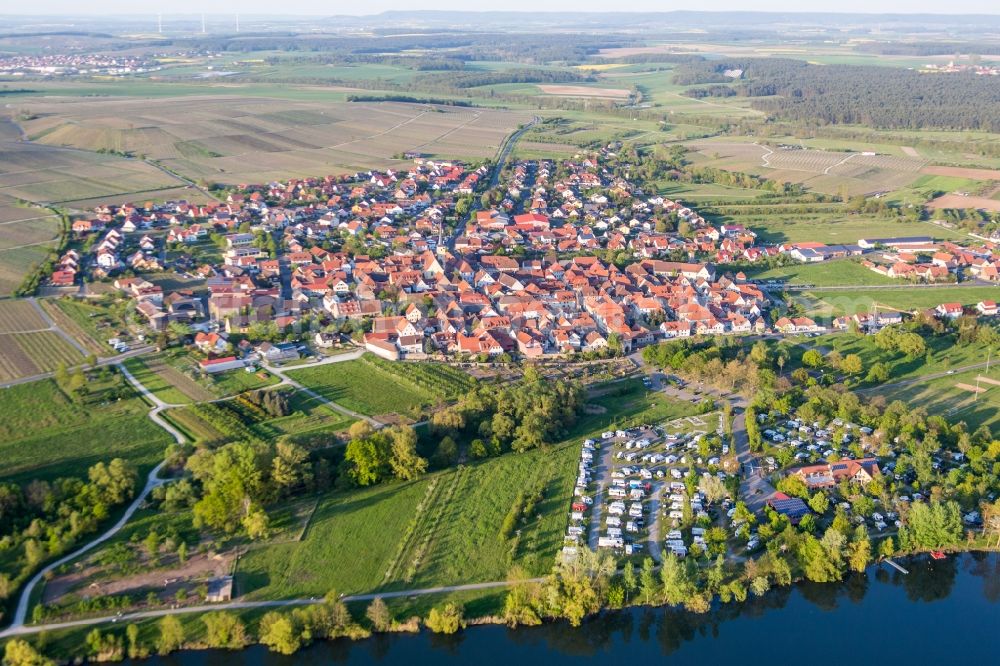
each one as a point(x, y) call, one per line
point(38, 417)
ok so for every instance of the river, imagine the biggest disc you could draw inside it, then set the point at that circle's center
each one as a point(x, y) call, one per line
point(940, 613)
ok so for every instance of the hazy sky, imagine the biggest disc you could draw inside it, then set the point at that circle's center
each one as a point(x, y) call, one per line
point(376, 6)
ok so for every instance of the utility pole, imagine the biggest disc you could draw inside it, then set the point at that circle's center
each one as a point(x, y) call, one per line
point(989, 353)
point(237, 22)
point(203, 24)
point(159, 23)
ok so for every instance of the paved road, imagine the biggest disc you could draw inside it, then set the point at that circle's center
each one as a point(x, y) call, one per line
point(22, 629)
point(504, 153)
point(602, 475)
point(655, 520)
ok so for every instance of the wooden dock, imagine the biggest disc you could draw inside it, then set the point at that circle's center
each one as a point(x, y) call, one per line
point(895, 566)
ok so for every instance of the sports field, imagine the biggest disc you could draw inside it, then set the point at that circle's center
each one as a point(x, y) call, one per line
point(955, 397)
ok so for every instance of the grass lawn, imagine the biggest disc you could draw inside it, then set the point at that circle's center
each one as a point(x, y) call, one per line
point(843, 272)
point(308, 415)
point(43, 435)
point(840, 303)
point(156, 382)
point(444, 528)
point(834, 229)
point(351, 540)
point(369, 387)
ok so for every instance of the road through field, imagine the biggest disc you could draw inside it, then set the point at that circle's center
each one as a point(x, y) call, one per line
point(22, 629)
point(288, 381)
point(153, 480)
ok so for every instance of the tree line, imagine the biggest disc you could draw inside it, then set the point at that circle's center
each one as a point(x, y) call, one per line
point(879, 97)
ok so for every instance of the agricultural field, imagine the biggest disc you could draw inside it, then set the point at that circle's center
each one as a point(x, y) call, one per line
point(372, 386)
point(166, 382)
point(262, 139)
point(20, 317)
point(835, 304)
point(27, 234)
point(39, 417)
point(49, 175)
point(83, 322)
point(829, 172)
point(28, 354)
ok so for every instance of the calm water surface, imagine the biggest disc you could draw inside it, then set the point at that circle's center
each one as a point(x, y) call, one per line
point(941, 613)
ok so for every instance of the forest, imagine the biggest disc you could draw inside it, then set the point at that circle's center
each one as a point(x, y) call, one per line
point(877, 97)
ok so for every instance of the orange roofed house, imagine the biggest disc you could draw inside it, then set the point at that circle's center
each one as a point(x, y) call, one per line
point(827, 475)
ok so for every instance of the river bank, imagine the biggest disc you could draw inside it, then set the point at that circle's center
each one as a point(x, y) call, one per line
point(939, 610)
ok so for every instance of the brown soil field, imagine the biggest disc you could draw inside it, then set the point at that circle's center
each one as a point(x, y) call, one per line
point(910, 150)
point(198, 567)
point(988, 380)
point(584, 91)
point(958, 201)
point(970, 388)
point(20, 316)
point(962, 172)
point(255, 139)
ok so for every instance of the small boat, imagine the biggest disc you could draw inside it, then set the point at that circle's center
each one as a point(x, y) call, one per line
point(938, 554)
